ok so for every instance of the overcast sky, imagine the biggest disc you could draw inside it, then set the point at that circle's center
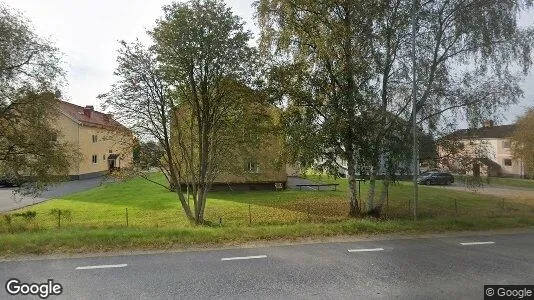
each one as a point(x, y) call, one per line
point(87, 31)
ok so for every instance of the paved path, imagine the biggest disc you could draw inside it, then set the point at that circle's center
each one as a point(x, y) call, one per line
point(445, 267)
point(11, 201)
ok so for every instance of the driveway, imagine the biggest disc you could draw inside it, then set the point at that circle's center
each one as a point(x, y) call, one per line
point(498, 191)
point(9, 200)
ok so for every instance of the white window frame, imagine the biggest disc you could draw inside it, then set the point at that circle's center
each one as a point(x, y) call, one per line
point(511, 162)
point(506, 144)
point(94, 159)
point(94, 138)
point(253, 167)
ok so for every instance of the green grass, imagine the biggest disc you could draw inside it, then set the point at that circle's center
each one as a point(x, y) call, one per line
point(155, 220)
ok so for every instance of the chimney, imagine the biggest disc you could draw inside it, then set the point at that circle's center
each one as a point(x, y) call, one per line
point(88, 110)
point(488, 123)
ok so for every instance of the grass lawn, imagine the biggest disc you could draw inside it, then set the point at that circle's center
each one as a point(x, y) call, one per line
point(97, 219)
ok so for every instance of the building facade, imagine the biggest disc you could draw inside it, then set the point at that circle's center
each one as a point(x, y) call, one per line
point(103, 143)
point(490, 150)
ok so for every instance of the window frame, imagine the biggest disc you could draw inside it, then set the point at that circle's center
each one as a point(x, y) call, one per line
point(94, 159)
point(94, 138)
point(251, 165)
point(506, 160)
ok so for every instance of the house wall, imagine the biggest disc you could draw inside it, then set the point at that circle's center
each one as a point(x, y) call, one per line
point(496, 152)
point(81, 137)
point(69, 133)
point(107, 142)
point(269, 170)
point(501, 154)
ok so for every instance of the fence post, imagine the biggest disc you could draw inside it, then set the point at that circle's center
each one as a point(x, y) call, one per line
point(249, 215)
point(59, 219)
point(455, 209)
point(126, 216)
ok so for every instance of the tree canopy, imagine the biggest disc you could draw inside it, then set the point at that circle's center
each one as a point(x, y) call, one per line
point(30, 73)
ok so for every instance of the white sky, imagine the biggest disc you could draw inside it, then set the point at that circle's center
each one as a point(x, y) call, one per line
point(88, 31)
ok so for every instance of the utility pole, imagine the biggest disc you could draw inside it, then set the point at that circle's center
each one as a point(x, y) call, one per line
point(415, 154)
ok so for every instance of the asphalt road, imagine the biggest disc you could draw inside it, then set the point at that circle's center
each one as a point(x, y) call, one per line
point(419, 268)
point(10, 200)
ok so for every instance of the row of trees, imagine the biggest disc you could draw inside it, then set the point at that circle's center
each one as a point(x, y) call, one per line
point(339, 71)
point(344, 71)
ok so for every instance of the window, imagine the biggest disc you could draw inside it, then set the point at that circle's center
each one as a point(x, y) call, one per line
point(507, 162)
point(95, 138)
point(94, 159)
point(506, 144)
point(110, 151)
point(253, 167)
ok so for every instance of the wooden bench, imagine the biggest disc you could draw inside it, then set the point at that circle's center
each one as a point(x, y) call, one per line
point(318, 186)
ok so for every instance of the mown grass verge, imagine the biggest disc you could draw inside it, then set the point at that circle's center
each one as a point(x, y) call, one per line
point(81, 240)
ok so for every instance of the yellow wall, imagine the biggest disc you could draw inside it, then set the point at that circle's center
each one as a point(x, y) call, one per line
point(81, 137)
point(106, 141)
point(270, 167)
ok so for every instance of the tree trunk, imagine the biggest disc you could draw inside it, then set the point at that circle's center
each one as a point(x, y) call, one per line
point(372, 188)
point(201, 203)
point(353, 198)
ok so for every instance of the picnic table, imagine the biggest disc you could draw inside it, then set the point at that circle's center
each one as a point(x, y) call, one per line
point(318, 185)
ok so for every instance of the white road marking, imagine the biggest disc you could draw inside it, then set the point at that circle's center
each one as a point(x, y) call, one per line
point(366, 250)
point(101, 267)
point(244, 257)
point(477, 243)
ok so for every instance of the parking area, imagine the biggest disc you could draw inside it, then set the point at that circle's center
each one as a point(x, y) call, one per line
point(10, 200)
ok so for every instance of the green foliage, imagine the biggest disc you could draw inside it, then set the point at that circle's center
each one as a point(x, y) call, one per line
point(60, 214)
point(523, 142)
point(26, 215)
point(30, 148)
point(343, 72)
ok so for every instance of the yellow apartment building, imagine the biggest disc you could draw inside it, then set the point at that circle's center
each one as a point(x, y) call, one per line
point(496, 158)
point(104, 144)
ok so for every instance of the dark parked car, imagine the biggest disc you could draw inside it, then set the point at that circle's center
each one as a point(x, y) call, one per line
point(435, 178)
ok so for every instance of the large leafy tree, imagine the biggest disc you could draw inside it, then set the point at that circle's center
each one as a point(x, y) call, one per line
point(30, 147)
point(523, 142)
point(191, 93)
point(203, 50)
point(322, 67)
point(464, 71)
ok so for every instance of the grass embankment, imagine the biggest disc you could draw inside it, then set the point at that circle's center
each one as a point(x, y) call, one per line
point(98, 219)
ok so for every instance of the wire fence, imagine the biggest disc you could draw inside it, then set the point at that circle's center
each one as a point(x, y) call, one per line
point(310, 207)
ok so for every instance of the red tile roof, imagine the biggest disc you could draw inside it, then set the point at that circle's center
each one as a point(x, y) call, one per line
point(87, 116)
